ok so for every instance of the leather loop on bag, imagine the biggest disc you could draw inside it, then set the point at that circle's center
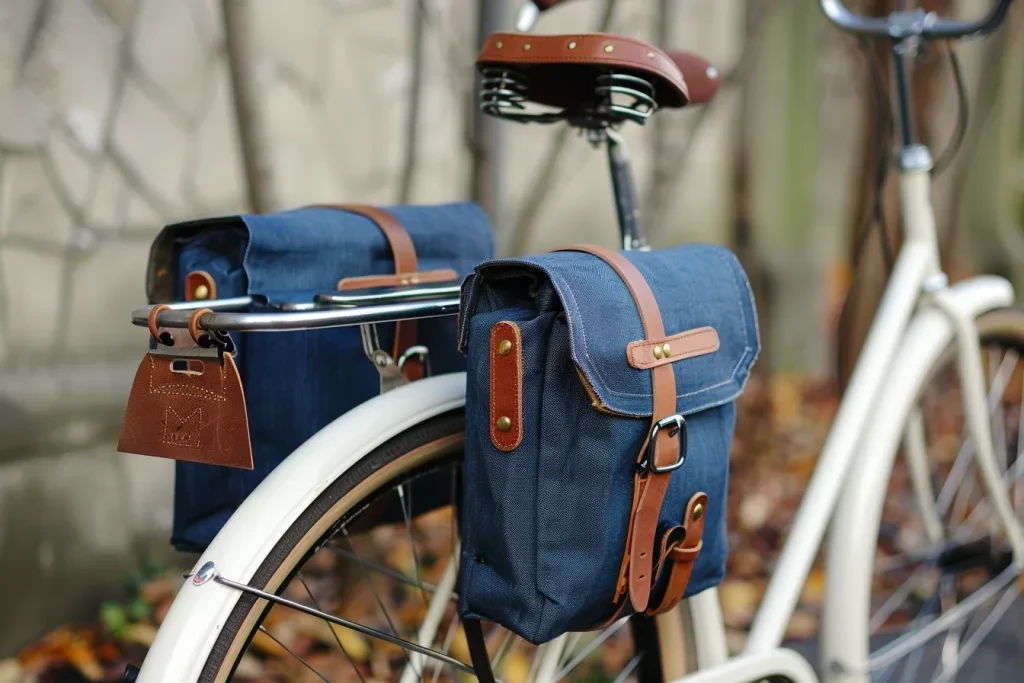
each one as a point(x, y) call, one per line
point(154, 312)
point(193, 323)
point(638, 563)
point(404, 254)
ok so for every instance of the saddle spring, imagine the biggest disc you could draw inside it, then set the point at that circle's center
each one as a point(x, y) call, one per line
point(612, 87)
point(617, 97)
point(503, 93)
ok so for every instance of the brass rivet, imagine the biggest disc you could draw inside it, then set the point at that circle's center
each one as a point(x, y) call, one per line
point(667, 350)
point(609, 48)
point(650, 55)
point(526, 46)
point(504, 424)
point(504, 347)
point(202, 291)
point(698, 511)
point(572, 44)
point(499, 45)
point(658, 353)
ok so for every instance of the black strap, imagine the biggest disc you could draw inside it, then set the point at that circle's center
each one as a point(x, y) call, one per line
point(478, 650)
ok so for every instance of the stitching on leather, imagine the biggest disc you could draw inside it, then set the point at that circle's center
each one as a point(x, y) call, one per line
point(196, 413)
point(189, 392)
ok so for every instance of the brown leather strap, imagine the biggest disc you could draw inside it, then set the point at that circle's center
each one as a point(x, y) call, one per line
point(680, 550)
point(404, 254)
point(651, 487)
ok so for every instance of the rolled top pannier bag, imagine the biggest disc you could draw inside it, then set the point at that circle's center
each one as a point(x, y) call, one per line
point(295, 383)
point(600, 407)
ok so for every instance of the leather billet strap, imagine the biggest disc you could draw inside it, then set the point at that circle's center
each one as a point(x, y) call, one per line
point(680, 548)
point(404, 254)
point(650, 487)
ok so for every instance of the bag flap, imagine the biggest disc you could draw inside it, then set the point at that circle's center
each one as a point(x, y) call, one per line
point(695, 285)
point(312, 248)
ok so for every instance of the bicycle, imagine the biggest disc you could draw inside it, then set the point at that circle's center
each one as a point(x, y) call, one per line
point(411, 435)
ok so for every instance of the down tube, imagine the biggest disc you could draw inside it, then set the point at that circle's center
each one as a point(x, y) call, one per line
point(805, 536)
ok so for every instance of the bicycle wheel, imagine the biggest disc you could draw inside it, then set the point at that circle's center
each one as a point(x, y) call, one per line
point(376, 552)
point(944, 588)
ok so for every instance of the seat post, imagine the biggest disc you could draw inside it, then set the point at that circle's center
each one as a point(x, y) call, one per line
point(624, 189)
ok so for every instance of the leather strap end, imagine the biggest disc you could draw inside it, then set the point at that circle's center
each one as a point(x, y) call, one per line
point(650, 353)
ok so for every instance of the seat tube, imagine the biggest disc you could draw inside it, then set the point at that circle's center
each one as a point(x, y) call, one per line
point(627, 208)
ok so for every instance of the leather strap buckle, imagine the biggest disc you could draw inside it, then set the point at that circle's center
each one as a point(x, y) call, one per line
point(677, 426)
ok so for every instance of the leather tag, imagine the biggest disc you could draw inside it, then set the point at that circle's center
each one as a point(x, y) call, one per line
point(506, 386)
point(187, 404)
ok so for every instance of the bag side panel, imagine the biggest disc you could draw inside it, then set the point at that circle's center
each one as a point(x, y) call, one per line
point(498, 572)
point(585, 488)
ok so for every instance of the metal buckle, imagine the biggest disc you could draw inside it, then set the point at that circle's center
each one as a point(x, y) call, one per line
point(678, 426)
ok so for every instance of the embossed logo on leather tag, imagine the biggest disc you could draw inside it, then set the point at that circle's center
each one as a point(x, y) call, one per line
point(187, 403)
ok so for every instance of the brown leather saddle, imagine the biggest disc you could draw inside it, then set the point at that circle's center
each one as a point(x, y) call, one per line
point(588, 76)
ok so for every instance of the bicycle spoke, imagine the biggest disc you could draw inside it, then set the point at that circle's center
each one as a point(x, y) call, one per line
point(334, 633)
point(299, 659)
point(593, 645)
point(896, 599)
point(412, 541)
point(1002, 606)
point(449, 637)
point(376, 595)
point(383, 569)
point(359, 628)
point(907, 644)
point(630, 667)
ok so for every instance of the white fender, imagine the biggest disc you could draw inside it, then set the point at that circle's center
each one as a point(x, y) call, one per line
point(193, 623)
point(853, 533)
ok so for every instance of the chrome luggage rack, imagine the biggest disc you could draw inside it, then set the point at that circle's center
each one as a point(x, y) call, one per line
point(330, 309)
point(365, 308)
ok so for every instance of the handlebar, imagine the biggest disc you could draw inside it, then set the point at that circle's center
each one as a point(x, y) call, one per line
point(910, 24)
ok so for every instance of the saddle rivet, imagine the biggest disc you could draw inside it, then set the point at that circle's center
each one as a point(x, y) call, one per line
point(504, 347)
point(499, 45)
point(698, 511)
point(609, 48)
point(658, 353)
point(572, 44)
point(650, 55)
point(504, 424)
point(667, 350)
point(201, 292)
point(526, 46)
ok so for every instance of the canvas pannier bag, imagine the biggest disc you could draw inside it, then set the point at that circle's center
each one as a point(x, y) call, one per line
point(295, 383)
point(599, 414)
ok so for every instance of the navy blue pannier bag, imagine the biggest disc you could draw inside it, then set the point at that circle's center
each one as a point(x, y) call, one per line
point(600, 408)
point(295, 383)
